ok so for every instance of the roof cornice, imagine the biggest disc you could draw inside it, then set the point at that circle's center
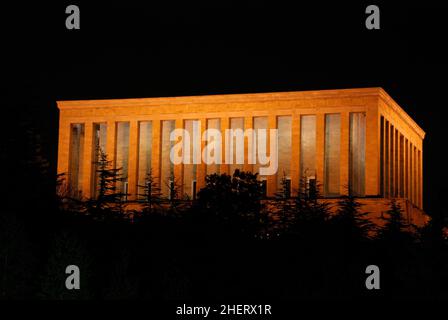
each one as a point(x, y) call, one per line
point(246, 97)
point(386, 98)
point(220, 98)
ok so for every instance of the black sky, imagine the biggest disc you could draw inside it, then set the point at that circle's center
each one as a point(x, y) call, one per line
point(126, 50)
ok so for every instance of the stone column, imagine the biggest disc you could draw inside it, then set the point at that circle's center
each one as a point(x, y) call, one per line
point(411, 151)
point(179, 168)
point(421, 179)
point(344, 156)
point(295, 154)
point(271, 182)
point(156, 151)
point(87, 162)
point(414, 171)
point(64, 148)
point(397, 163)
point(133, 159)
point(384, 164)
point(320, 150)
point(202, 167)
point(391, 161)
point(399, 169)
point(372, 154)
point(411, 178)
point(408, 169)
point(248, 124)
point(386, 158)
point(111, 141)
point(412, 174)
point(225, 123)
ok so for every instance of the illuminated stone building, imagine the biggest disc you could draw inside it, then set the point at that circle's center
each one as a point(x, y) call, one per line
point(353, 139)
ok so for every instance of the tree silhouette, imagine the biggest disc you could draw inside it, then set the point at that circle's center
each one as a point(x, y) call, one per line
point(66, 201)
point(310, 205)
point(311, 211)
point(352, 224)
point(432, 235)
point(282, 209)
point(232, 201)
point(176, 202)
point(395, 229)
point(109, 202)
point(151, 198)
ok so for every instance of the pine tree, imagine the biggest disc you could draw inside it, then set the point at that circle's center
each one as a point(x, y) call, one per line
point(433, 233)
point(395, 228)
point(151, 198)
point(232, 201)
point(215, 199)
point(351, 222)
point(66, 200)
point(311, 211)
point(247, 196)
point(62, 189)
point(283, 209)
point(176, 203)
point(310, 204)
point(109, 202)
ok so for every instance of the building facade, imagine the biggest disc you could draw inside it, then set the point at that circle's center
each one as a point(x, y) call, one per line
point(359, 140)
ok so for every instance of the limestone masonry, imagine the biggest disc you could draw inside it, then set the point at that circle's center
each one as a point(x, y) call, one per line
point(352, 140)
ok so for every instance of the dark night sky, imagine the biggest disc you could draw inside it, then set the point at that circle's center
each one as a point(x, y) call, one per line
point(166, 50)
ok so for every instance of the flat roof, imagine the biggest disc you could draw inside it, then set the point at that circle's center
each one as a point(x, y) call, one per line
point(242, 97)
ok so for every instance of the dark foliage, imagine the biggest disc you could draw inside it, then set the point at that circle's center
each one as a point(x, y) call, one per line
point(229, 243)
point(233, 202)
point(395, 229)
point(351, 223)
point(151, 198)
point(109, 202)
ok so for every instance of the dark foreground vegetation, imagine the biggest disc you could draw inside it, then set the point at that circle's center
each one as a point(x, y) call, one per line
point(228, 243)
